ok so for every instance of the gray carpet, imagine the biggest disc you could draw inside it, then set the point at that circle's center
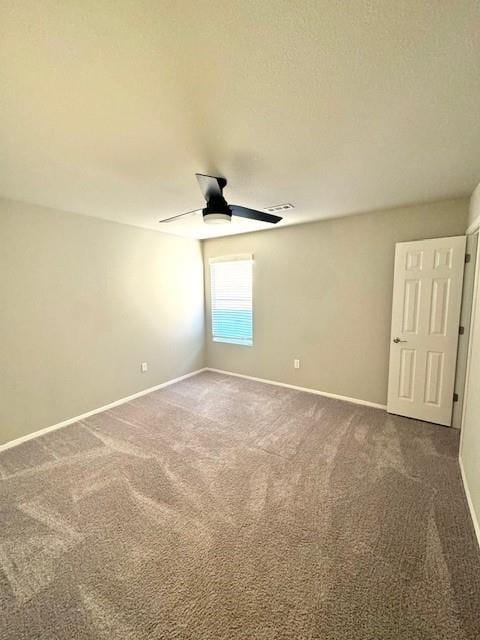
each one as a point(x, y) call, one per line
point(221, 508)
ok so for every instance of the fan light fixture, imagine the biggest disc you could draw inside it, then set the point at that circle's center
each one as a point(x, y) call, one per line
point(216, 218)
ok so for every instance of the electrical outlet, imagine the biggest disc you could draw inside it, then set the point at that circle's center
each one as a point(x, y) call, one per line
point(296, 364)
point(144, 367)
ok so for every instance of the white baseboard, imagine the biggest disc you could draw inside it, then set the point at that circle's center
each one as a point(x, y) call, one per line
point(365, 403)
point(476, 524)
point(65, 423)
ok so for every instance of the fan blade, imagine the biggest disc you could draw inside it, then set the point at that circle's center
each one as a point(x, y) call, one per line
point(180, 215)
point(243, 212)
point(211, 186)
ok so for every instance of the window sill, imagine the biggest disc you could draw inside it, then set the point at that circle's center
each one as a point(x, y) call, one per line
point(241, 343)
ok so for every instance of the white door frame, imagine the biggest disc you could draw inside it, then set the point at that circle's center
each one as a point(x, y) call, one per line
point(474, 228)
point(466, 316)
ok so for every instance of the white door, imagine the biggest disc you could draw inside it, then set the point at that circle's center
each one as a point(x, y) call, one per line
point(427, 292)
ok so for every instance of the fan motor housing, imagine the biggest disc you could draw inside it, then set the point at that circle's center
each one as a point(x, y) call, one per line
point(217, 211)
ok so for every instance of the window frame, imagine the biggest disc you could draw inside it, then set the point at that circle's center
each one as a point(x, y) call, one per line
point(231, 258)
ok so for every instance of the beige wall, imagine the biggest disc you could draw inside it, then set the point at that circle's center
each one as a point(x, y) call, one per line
point(322, 293)
point(82, 303)
point(470, 447)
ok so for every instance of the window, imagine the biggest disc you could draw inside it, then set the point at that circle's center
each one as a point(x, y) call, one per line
point(231, 288)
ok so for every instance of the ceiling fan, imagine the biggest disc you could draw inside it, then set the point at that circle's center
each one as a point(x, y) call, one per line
point(218, 211)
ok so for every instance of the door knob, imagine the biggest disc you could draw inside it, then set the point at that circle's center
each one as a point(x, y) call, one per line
point(397, 340)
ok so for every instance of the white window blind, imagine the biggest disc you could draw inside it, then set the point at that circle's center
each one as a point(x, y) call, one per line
point(231, 296)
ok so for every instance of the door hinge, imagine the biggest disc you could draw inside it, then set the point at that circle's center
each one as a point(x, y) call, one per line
point(461, 331)
point(467, 257)
point(455, 397)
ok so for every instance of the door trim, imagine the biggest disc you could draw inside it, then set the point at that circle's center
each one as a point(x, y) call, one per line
point(473, 319)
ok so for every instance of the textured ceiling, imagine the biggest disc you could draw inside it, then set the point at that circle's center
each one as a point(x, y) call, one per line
point(109, 108)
